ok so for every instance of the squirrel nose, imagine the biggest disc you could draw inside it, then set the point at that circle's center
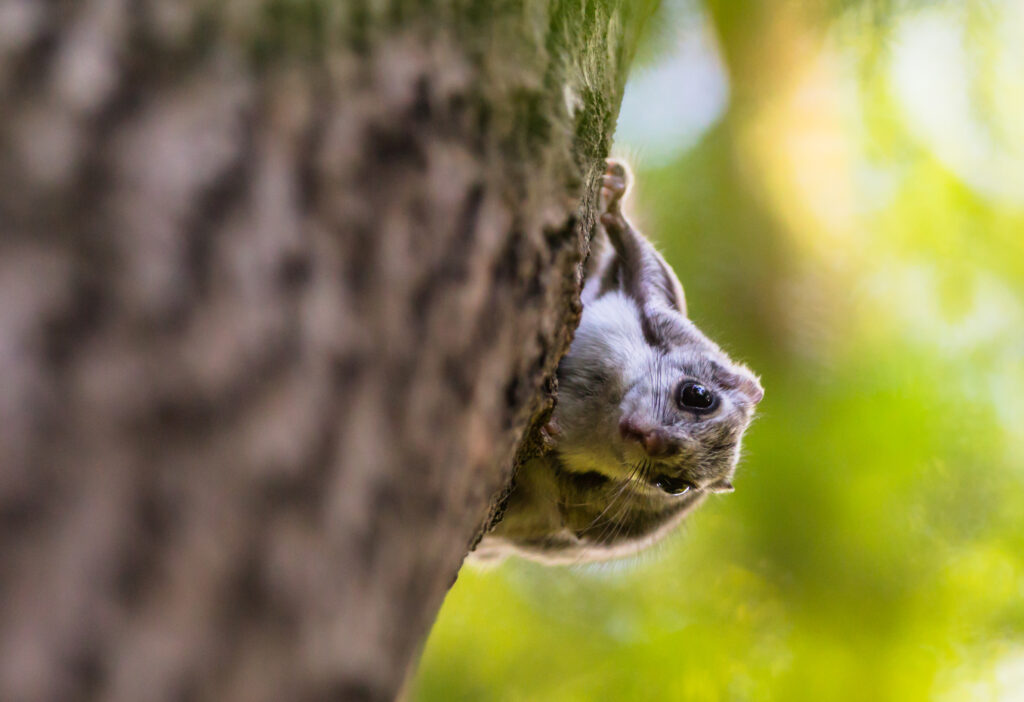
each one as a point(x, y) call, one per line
point(656, 444)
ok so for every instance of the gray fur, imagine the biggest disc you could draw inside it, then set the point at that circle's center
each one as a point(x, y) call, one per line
point(601, 492)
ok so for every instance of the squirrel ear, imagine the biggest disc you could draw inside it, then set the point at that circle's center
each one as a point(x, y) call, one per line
point(722, 485)
point(754, 390)
point(740, 378)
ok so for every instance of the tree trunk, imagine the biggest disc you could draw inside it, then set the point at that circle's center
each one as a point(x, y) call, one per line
point(283, 285)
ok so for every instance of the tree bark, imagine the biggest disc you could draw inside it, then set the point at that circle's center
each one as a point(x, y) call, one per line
point(283, 285)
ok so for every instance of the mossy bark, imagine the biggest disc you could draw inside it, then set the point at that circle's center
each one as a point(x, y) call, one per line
point(283, 285)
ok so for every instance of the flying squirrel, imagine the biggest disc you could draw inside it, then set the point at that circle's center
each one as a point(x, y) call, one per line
point(649, 418)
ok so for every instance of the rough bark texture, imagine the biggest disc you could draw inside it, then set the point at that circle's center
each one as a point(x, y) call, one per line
point(283, 285)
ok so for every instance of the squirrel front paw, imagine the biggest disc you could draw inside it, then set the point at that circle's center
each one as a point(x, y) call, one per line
point(614, 184)
point(549, 435)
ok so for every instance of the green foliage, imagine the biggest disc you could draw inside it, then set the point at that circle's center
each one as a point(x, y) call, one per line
point(866, 263)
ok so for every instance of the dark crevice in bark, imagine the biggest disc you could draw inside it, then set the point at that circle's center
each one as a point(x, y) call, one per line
point(213, 206)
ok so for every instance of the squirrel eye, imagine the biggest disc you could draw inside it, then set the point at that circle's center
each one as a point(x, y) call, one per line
point(694, 396)
point(673, 486)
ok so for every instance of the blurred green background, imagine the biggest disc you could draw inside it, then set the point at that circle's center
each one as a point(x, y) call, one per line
point(841, 190)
